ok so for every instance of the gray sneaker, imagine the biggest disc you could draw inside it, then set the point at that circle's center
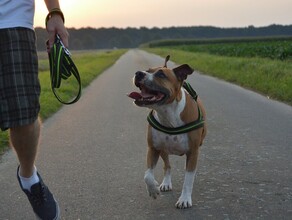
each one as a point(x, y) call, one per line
point(42, 200)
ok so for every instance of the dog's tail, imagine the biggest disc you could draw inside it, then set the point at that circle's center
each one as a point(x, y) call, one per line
point(166, 60)
point(204, 131)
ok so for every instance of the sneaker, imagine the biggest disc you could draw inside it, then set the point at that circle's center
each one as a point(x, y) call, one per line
point(42, 200)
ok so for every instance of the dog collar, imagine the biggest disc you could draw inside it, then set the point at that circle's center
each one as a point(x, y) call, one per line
point(182, 129)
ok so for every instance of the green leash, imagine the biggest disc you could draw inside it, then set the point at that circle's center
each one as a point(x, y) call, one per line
point(182, 129)
point(62, 67)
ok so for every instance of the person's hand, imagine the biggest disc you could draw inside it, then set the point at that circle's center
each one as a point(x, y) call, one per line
point(55, 25)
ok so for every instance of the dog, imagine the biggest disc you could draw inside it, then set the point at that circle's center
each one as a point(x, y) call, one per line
point(161, 90)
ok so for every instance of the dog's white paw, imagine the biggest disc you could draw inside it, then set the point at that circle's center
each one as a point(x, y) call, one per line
point(184, 202)
point(151, 184)
point(166, 185)
point(153, 189)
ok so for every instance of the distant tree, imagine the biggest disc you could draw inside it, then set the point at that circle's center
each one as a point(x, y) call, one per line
point(102, 38)
point(125, 41)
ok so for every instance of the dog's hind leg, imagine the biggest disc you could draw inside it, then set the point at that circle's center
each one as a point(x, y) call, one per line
point(166, 184)
point(151, 184)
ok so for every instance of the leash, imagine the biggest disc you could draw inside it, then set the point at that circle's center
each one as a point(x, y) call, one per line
point(62, 67)
point(182, 129)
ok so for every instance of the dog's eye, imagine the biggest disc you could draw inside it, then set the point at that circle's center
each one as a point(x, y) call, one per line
point(160, 74)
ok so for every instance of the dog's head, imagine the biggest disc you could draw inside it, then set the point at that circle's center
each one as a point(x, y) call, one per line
point(159, 85)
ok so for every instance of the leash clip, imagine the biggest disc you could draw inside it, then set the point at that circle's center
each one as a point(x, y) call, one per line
point(58, 40)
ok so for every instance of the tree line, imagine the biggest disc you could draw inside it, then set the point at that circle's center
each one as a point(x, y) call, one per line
point(108, 38)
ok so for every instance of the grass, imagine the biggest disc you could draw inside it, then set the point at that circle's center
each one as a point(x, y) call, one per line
point(89, 64)
point(272, 78)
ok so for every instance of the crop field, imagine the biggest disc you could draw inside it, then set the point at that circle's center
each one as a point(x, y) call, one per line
point(281, 50)
point(262, 65)
point(273, 48)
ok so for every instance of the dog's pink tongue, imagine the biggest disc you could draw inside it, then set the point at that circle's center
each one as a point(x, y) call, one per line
point(135, 95)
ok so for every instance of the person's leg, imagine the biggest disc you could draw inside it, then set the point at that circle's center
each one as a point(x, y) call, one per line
point(19, 100)
point(24, 140)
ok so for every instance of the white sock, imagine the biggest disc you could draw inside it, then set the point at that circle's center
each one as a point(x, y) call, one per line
point(28, 182)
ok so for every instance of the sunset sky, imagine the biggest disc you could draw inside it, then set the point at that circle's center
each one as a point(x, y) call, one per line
point(167, 13)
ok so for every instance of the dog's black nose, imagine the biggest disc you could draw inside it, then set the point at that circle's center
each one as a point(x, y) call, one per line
point(139, 76)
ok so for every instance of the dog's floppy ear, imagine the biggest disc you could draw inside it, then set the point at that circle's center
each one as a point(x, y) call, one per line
point(183, 71)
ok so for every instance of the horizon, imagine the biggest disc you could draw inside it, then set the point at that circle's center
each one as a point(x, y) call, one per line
point(164, 14)
point(88, 27)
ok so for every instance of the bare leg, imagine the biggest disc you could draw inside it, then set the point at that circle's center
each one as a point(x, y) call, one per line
point(24, 140)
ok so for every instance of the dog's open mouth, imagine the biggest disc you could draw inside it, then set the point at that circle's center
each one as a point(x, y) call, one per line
point(147, 96)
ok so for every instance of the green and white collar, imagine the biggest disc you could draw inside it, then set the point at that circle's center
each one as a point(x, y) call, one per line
point(182, 129)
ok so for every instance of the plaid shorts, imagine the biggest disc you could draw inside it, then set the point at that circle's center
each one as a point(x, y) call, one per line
point(19, 83)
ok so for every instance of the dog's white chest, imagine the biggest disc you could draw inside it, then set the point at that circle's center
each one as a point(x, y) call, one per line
point(170, 116)
point(171, 144)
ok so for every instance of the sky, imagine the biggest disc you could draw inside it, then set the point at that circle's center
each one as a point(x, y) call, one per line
point(169, 13)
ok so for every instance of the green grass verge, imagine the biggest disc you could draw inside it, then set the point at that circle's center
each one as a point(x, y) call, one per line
point(89, 64)
point(272, 78)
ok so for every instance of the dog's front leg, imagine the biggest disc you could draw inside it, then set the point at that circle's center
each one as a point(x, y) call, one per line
point(166, 183)
point(185, 199)
point(151, 184)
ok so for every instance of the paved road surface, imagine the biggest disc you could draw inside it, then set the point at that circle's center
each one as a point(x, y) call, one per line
point(92, 155)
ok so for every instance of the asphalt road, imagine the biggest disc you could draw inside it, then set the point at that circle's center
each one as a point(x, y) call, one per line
point(92, 155)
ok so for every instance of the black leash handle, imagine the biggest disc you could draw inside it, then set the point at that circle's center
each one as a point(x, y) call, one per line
point(62, 67)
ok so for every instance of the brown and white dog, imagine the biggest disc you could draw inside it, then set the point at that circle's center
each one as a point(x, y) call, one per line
point(162, 91)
